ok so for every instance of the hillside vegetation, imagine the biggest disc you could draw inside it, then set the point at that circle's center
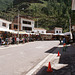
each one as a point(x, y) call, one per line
point(50, 13)
point(4, 4)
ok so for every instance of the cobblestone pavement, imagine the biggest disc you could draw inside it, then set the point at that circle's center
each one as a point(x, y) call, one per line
point(63, 65)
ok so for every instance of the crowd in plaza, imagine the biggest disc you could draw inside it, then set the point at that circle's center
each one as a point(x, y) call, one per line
point(11, 40)
point(15, 40)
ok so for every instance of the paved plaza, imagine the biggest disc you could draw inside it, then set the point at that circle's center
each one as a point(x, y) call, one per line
point(20, 59)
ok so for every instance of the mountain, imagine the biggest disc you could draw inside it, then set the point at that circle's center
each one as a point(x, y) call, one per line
point(4, 4)
point(50, 13)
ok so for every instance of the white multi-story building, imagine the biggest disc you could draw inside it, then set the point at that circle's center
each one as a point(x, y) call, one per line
point(4, 24)
point(4, 27)
point(39, 30)
point(27, 24)
point(24, 24)
point(58, 30)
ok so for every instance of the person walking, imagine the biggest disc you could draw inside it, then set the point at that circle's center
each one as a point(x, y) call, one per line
point(0, 41)
point(13, 40)
point(60, 40)
point(17, 39)
point(64, 40)
point(7, 41)
point(23, 40)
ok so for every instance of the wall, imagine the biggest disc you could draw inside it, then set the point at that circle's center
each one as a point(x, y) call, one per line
point(4, 21)
point(59, 30)
point(39, 31)
point(27, 25)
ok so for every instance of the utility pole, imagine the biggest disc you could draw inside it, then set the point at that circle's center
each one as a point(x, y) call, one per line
point(18, 26)
point(70, 28)
point(37, 22)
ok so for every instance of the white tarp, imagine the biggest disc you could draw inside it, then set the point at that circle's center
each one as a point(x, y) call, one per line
point(67, 33)
point(14, 32)
point(47, 33)
point(4, 29)
point(7, 30)
point(62, 34)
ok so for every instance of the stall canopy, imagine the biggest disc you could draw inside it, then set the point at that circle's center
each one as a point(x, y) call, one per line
point(67, 33)
point(16, 32)
point(22, 32)
point(47, 33)
point(12, 31)
point(62, 34)
point(4, 29)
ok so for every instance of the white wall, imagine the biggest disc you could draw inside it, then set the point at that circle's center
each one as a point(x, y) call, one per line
point(59, 30)
point(27, 25)
point(4, 21)
point(39, 31)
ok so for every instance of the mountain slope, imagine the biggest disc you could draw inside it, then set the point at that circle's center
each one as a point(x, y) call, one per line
point(5, 3)
point(50, 13)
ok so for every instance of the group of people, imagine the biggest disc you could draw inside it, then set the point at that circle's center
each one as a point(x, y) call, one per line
point(64, 40)
point(13, 40)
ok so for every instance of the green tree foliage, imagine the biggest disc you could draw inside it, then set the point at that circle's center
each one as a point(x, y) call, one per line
point(50, 13)
point(4, 4)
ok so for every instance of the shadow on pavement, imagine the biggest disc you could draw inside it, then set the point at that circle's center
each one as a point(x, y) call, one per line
point(51, 50)
point(68, 58)
point(43, 71)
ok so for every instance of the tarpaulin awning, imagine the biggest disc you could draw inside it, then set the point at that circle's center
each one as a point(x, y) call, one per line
point(47, 33)
point(59, 34)
point(4, 29)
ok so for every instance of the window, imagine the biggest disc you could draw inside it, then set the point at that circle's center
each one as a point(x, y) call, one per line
point(26, 22)
point(42, 31)
point(4, 24)
point(10, 26)
point(37, 31)
point(15, 26)
point(59, 31)
point(27, 28)
point(0, 35)
point(56, 31)
point(23, 28)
